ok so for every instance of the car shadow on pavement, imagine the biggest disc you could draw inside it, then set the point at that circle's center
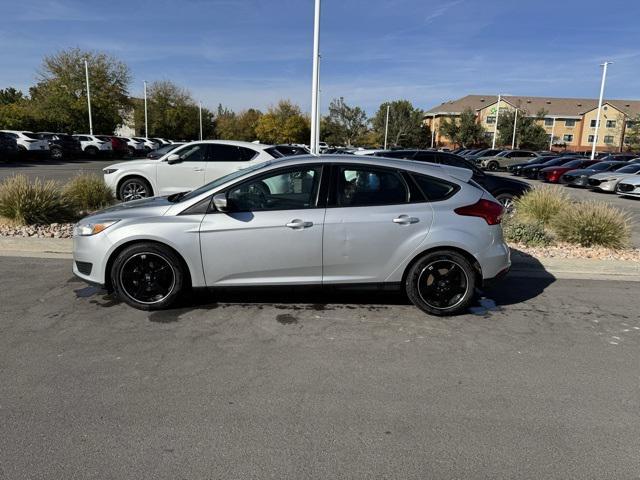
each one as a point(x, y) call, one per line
point(527, 279)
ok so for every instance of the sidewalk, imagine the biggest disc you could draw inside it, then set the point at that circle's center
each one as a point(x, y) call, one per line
point(523, 265)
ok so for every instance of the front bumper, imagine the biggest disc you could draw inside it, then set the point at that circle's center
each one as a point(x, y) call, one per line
point(93, 250)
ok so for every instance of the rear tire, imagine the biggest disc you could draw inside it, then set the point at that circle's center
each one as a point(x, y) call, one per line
point(506, 200)
point(148, 276)
point(91, 151)
point(441, 283)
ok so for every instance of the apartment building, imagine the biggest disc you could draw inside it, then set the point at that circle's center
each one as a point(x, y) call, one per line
point(571, 122)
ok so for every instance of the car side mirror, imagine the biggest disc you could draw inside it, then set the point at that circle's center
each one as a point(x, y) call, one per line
point(173, 158)
point(220, 202)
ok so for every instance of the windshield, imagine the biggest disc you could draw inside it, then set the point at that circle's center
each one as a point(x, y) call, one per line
point(573, 163)
point(31, 135)
point(629, 169)
point(222, 180)
point(598, 167)
point(502, 154)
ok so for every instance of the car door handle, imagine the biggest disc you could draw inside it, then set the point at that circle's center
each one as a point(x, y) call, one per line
point(198, 169)
point(405, 220)
point(298, 224)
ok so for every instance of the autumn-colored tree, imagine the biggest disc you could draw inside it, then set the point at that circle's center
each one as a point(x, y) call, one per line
point(283, 123)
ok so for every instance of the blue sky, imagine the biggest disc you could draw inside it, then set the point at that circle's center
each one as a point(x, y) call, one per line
point(245, 53)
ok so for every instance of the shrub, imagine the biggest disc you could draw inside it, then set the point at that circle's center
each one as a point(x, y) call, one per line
point(26, 202)
point(531, 234)
point(593, 224)
point(542, 204)
point(88, 193)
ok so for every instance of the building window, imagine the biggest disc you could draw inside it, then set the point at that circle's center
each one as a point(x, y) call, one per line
point(608, 139)
point(630, 123)
point(611, 124)
point(593, 124)
point(567, 138)
point(590, 139)
point(491, 119)
point(548, 122)
point(569, 123)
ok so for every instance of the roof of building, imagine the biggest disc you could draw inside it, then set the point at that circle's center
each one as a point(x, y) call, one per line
point(555, 107)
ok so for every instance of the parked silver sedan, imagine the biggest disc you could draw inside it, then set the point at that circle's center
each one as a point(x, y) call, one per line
point(306, 220)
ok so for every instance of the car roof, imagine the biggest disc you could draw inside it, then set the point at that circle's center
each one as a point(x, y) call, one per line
point(236, 143)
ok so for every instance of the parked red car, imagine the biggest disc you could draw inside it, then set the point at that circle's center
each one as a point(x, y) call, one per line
point(118, 145)
point(553, 174)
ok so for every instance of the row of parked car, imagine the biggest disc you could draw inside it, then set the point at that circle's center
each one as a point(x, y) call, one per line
point(616, 173)
point(61, 146)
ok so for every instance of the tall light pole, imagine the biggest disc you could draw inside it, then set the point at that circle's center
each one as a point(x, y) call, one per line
point(318, 109)
point(200, 112)
point(86, 73)
point(386, 128)
point(146, 124)
point(433, 129)
point(315, 81)
point(595, 135)
point(553, 130)
point(495, 127)
point(515, 122)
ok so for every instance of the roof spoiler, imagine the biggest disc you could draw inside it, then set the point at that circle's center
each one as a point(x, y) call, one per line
point(463, 174)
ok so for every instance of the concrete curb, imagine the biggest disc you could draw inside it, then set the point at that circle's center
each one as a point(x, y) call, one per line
point(523, 265)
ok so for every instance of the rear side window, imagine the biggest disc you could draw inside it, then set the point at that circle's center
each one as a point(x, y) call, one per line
point(435, 189)
point(430, 157)
point(231, 153)
point(361, 186)
point(454, 161)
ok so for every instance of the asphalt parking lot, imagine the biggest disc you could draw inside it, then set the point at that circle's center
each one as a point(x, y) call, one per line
point(540, 381)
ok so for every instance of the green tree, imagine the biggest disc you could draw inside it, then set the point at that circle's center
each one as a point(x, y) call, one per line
point(237, 126)
point(529, 133)
point(172, 113)
point(283, 123)
point(464, 131)
point(632, 134)
point(10, 95)
point(344, 125)
point(60, 94)
point(406, 128)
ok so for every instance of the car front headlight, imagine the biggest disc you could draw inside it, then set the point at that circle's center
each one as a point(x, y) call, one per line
point(108, 171)
point(88, 229)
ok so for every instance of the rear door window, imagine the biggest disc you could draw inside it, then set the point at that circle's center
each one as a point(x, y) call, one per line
point(230, 153)
point(362, 186)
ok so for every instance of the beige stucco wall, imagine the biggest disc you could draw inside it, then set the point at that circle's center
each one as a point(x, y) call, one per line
point(608, 113)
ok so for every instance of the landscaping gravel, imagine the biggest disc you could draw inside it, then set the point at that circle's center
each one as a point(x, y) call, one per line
point(573, 251)
point(54, 230)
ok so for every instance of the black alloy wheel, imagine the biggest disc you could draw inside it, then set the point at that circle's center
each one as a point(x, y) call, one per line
point(441, 283)
point(148, 276)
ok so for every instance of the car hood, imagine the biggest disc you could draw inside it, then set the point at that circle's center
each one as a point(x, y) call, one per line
point(146, 207)
point(617, 176)
point(558, 167)
point(635, 180)
point(511, 183)
point(132, 163)
point(583, 171)
point(487, 158)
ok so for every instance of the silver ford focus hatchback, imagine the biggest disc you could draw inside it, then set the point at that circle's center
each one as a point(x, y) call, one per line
point(329, 220)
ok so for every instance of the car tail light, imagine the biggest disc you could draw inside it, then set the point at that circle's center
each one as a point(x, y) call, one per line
point(490, 211)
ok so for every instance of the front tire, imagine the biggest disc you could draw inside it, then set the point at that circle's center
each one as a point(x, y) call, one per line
point(441, 283)
point(91, 151)
point(57, 154)
point(134, 188)
point(148, 276)
point(493, 166)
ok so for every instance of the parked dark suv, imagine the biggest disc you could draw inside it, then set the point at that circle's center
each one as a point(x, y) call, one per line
point(61, 145)
point(503, 189)
point(8, 147)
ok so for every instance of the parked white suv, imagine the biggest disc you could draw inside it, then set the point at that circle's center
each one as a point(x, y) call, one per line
point(28, 142)
point(93, 146)
point(185, 168)
point(147, 143)
point(135, 147)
